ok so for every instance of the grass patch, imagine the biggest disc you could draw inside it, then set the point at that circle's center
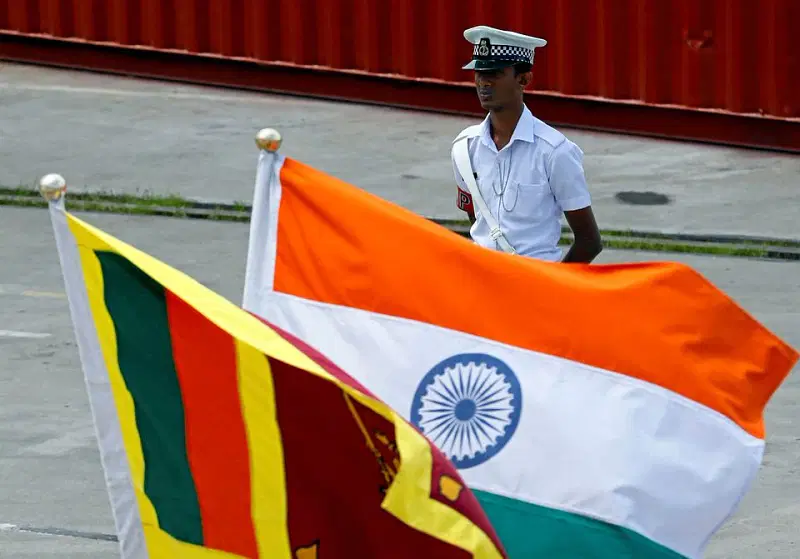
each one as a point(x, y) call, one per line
point(102, 206)
point(654, 246)
point(721, 239)
point(181, 207)
point(656, 236)
point(145, 199)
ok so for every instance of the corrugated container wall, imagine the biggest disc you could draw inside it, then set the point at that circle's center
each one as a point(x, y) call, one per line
point(737, 55)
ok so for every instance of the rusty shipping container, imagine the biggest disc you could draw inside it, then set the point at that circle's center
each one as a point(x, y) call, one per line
point(711, 70)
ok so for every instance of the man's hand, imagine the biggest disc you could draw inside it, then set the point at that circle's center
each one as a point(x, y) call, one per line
point(588, 243)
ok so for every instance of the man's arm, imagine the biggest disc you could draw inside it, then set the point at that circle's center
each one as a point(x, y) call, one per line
point(465, 204)
point(464, 200)
point(588, 243)
point(568, 183)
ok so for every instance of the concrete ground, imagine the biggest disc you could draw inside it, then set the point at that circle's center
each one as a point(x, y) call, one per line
point(127, 135)
point(50, 473)
point(111, 133)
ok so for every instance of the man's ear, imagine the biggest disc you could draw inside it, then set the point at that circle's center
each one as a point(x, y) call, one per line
point(525, 79)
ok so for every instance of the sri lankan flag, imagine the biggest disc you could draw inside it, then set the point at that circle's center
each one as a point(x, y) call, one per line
point(222, 436)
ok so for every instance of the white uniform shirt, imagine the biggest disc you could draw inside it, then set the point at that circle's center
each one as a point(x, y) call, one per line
point(527, 185)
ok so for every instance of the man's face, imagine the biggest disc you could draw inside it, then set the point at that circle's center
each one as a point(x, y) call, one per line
point(498, 89)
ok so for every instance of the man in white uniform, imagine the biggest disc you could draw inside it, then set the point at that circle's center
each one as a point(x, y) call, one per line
point(526, 172)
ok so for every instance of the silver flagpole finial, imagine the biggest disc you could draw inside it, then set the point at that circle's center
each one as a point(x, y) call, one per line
point(52, 187)
point(268, 139)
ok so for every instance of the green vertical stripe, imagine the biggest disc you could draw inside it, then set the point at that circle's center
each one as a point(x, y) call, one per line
point(528, 530)
point(138, 309)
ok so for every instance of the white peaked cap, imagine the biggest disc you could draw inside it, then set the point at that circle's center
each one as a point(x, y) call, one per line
point(496, 48)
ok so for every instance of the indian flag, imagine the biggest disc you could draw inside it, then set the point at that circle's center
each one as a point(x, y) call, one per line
point(598, 411)
point(223, 436)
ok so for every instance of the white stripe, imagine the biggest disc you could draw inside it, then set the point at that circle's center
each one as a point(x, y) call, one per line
point(16, 334)
point(589, 441)
point(124, 507)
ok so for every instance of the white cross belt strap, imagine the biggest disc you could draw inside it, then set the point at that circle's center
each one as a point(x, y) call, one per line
point(464, 166)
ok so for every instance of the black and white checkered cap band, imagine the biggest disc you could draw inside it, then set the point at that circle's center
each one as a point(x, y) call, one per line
point(504, 52)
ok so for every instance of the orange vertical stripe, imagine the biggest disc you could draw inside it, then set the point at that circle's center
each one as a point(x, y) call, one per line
point(660, 322)
point(216, 441)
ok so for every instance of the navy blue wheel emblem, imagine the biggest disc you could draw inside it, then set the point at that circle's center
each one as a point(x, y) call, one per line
point(469, 406)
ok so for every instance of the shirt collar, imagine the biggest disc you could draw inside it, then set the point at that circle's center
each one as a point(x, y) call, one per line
point(524, 130)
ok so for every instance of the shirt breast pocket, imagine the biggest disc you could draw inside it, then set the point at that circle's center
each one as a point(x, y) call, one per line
point(534, 200)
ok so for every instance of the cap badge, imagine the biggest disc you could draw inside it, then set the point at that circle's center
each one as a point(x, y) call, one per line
point(484, 47)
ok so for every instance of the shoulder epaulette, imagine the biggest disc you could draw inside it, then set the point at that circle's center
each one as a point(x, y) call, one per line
point(547, 133)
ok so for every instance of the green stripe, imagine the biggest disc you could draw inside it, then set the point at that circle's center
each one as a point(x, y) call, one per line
point(528, 530)
point(138, 309)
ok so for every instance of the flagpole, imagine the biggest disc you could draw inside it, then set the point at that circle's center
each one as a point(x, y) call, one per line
point(263, 224)
point(108, 432)
point(269, 140)
point(53, 187)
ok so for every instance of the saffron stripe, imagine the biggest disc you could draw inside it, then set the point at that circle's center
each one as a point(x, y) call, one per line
point(144, 353)
point(614, 317)
point(205, 361)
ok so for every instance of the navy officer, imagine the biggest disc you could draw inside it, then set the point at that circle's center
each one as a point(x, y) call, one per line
point(516, 175)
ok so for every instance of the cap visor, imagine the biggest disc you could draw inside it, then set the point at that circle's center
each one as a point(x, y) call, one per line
point(485, 65)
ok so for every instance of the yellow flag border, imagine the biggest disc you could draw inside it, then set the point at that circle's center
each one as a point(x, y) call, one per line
point(407, 498)
point(157, 542)
point(86, 244)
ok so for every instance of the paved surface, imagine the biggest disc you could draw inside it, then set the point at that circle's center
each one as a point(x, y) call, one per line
point(111, 133)
point(50, 473)
point(130, 135)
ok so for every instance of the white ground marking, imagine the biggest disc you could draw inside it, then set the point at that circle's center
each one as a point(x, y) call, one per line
point(23, 335)
point(21, 291)
point(63, 443)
